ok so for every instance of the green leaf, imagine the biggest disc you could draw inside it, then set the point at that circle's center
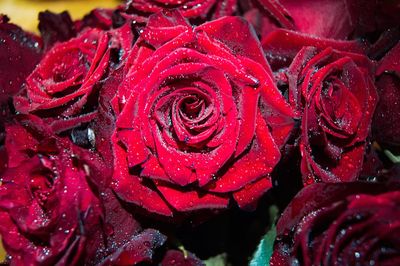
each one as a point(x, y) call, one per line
point(264, 250)
point(219, 260)
point(392, 157)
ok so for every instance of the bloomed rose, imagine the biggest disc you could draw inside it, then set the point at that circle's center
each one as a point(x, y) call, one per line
point(348, 224)
point(330, 85)
point(199, 117)
point(63, 89)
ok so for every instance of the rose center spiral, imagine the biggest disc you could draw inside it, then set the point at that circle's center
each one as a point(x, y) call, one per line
point(192, 106)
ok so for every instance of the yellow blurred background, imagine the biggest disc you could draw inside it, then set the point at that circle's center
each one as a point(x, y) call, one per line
point(25, 14)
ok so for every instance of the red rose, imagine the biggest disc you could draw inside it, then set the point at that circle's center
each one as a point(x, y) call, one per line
point(326, 18)
point(49, 214)
point(333, 93)
point(64, 87)
point(340, 224)
point(201, 118)
point(19, 54)
point(386, 124)
point(140, 10)
point(54, 209)
point(337, 98)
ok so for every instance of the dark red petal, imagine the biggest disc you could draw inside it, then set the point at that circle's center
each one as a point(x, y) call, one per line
point(281, 46)
point(386, 122)
point(373, 16)
point(248, 196)
point(120, 222)
point(345, 169)
point(293, 75)
point(137, 152)
point(238, 35)
point(18, 142)
point(327, 18)
point(139, 248)
point(101, 18)
point(279, 13)
point(189, 200)
point(364, 90)
point(257, 163)
point(55, 28)
point(178, 258)
point(198, 10)
point(247, 113)
point(390, 62)
point(19, 54)
point(163, 27)
point(62, 125)
point(153, 170)
point(276, 111)
point(13, 242)
point(159, 36)
point(129, 187)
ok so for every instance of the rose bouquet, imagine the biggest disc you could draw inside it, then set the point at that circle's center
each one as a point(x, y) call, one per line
point(161, 132)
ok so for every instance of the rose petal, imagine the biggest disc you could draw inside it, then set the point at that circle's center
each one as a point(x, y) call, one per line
point(55, 28)
point(281, 46)
point(137, 249)
point(188, 200)
point(257, 163)
point(177, 258)
point(130, 189)
point(248, 196)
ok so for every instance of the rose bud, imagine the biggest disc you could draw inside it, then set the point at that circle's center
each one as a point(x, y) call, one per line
point(386, 124)
point(199, 118)
point(340, 224)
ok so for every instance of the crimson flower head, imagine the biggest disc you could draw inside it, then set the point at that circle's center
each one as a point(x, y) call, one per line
point(199, 118)
point(348, 224)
